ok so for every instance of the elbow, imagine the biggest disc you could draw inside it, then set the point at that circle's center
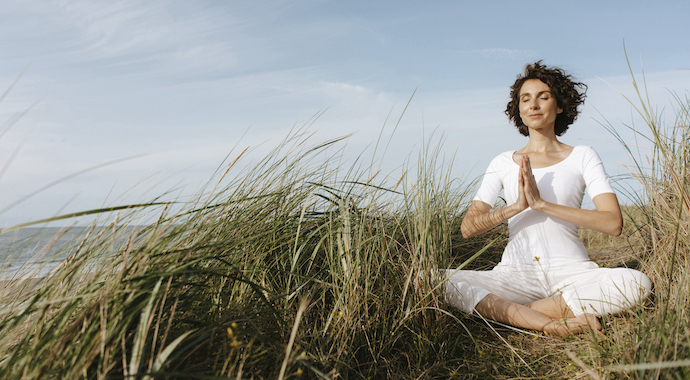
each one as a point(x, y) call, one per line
point(617, 228)
point(612, 224)
point(466, 231)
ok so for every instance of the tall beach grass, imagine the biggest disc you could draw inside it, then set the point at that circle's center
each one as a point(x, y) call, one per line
point(300, 266)
point(656, 342)
point(296, 266)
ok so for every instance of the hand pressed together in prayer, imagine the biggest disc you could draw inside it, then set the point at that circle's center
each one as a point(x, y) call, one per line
point(528, 192)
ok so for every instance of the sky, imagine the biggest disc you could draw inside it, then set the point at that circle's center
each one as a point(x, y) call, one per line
point(151, 96)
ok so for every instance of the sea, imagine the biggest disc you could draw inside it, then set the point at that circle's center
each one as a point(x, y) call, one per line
point(36, 251)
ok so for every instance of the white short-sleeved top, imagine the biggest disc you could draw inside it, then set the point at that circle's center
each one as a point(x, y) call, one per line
point(536, 237)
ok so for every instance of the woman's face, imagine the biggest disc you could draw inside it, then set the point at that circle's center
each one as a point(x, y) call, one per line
point(538, 107)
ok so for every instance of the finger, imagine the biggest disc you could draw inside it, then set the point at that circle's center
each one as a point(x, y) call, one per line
point(526, 174)
point(524, 170)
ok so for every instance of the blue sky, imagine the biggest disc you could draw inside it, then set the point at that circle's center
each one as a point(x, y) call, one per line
point(179, 84)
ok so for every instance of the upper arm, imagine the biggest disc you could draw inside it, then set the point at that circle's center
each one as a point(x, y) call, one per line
point(492, 183)
point(596, 179)
point(487, 194)
point(608, 202)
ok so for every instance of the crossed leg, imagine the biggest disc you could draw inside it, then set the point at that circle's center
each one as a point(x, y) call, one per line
point(550, 315)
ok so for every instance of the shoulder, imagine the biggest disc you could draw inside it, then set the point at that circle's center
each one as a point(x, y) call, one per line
point(501, 165)
point(503, 159)
point(589, 162)
point(585, 154)
point(584, 150)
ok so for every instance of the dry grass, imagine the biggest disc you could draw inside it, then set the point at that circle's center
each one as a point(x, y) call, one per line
point(301, 268)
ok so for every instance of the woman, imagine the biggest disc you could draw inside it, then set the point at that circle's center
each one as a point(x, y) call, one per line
point(545, 280)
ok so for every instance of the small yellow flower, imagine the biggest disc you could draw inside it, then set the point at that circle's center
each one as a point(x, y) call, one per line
point(235, 343)
point(230, 333)
point(299, 371)
point(233, 325)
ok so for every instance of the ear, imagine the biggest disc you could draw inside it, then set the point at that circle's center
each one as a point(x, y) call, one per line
point(559, 110)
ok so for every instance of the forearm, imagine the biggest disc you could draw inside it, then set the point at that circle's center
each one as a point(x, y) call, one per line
point(477, 221)
point(606, 218)
point(606, 221)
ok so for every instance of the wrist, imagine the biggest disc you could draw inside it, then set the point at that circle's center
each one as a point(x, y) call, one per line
point(540, 205)
point(516, 208)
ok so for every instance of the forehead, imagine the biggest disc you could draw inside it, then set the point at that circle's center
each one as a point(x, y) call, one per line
point(533, 86)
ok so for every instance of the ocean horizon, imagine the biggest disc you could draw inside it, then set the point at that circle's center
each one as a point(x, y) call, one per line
point(37, 251)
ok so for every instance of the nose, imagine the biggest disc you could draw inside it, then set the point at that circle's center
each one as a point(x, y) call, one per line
point(533, 104)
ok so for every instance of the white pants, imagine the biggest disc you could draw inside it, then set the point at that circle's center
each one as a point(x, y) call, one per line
point(585, 287)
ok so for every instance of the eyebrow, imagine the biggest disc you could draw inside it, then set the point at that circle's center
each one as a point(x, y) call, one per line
point(539, 93)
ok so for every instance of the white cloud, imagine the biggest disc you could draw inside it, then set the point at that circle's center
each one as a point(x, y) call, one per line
point(159, 34)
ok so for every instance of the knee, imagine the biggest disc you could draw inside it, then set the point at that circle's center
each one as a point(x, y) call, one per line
point(642, 284)
point(634, 286)
point(459, 294)
point(463, 295)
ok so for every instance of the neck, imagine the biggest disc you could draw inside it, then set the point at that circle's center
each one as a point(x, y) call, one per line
point(540, 141)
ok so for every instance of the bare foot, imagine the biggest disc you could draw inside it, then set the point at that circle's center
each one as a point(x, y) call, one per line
point(575, 325)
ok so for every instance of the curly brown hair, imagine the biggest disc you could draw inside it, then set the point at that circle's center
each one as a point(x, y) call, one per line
point(568, 93)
